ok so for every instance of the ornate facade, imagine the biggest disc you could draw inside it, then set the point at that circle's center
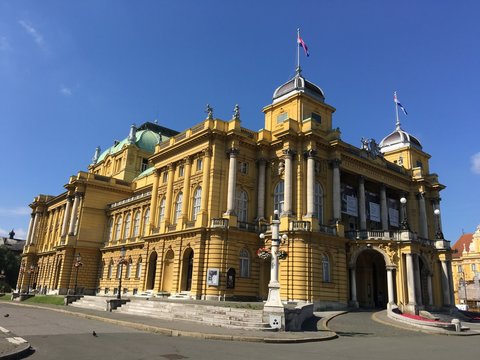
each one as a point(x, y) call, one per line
point(466, 269)
point(188, 209)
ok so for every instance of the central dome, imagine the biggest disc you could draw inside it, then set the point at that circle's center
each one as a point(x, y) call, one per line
point(298, 84)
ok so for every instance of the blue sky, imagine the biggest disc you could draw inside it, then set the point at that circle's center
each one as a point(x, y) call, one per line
point(77, 74)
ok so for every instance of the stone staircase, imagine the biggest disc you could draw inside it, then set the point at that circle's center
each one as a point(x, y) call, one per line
point(206, 314)
point(92, 302)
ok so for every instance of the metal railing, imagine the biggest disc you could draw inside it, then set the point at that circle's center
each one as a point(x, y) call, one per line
point(242, 225)
point(219, 223)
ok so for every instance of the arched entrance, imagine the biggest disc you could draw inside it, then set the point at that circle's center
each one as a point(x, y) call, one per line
point(371, 280)
point(168, 271)
point(422, 293)
point(152, 270)
point(187, 270)
point(57, 274)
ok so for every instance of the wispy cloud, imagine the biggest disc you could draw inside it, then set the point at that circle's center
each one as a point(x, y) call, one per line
point(16, 211)
point(36, 36)
point(65, 91)
point(4, 43)
point(475, 159)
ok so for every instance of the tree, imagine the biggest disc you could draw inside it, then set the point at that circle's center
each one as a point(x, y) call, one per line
point(10, 264)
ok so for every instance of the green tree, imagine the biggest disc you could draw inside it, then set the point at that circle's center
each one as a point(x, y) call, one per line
point(10, 265)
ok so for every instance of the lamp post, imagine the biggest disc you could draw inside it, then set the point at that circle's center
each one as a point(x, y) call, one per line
point(20, 277)
point(463, 282)
point(78, 263)
point(273, 299)
point(30, 271)
point(121, 261)
point(404, 223)
point(2, 278)
point(438, 230)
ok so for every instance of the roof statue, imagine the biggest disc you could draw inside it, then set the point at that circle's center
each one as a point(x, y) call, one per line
point(236, 112)
point(209, 111)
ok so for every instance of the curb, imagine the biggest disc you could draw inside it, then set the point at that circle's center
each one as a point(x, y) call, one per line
point(18, 353)
point(197, 335)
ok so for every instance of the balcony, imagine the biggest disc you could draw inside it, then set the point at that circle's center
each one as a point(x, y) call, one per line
point(219, 223)
point(390, 235)
point(242, 225)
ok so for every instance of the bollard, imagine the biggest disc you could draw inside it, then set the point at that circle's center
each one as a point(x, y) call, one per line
point(458, 325)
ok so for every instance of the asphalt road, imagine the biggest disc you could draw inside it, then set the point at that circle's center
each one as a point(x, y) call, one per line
point(61, 336)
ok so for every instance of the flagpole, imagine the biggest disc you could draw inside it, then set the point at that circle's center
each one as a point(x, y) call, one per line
point(397, 124)
point(298, 51)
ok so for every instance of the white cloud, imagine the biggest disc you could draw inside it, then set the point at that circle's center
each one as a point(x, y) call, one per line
point(475, 163)
point(65, 91)
point(36, 36)
point(4, 43)
point(17, 211)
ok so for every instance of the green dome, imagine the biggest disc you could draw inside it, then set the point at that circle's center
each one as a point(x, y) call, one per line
point(144, 139)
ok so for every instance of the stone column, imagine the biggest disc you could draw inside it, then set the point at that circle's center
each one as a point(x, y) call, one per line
point(153, 200)
point(436, 205)
point(384, 207)
point(450, 283)
point(261, 189)
point(232, 181)
point(66, 216)
point(430, 289)
point(205, 186)
point(33, 234)
point(73, 216)
point(30, 228)
point(390, 289)
point(337, 192)
point(445, 284)
point(311, 183)
point(423, 231)
point(418, 285)
point(411, 282)
point(186, 189)
point(353, 288)
point(361, 203)
point(168, 200)
point(287, 201)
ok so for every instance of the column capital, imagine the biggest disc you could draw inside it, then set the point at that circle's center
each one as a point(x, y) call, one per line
point(171, 166)
point(391, 267)
point(207, 152)
point(420, 195)
point(188, 159)
point(233, 152)
point(361, 179)
point(311, 153)
point(288, 152)
point(335, 163)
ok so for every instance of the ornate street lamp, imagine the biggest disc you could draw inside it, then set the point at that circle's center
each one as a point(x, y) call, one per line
point(20, 277)
point(273, 299)
point(121, 262)
point(30, 271)
point(438, 230)
point(78, 263)
point(404, 223)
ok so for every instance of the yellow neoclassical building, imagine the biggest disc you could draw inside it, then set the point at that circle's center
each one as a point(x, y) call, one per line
point(362, 224)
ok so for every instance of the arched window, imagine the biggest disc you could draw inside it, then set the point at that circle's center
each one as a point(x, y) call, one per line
point(278, 194)
point(128, 271)
point(161, 213)
point(118, 227)
point(197, 199)
point(244, 263)
point(119, 270)
point(136, 223)
point(146, 220)
point(178, 207)
point(138, 270)
point(318, 202)
point(110, 229)
point(326, 268)
point(128, 221)
point(242, 205)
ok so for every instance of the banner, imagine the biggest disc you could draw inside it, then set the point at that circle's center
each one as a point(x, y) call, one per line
point(373, 208)
point(393, 213)
point(349, 200)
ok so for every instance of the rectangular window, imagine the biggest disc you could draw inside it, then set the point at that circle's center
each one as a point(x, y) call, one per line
point(243, 168)
point(459, 269)
point(316, 117)
point(282, 117)
point(199, 164)
point(181, 171)
point(419, 164)
point(165, 177)
point(144, 164)
point(474, 267)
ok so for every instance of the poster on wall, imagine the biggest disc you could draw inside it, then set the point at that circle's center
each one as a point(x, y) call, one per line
point(393, 213)
point(349, 200)
point(373, 209)
point(213, 277)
